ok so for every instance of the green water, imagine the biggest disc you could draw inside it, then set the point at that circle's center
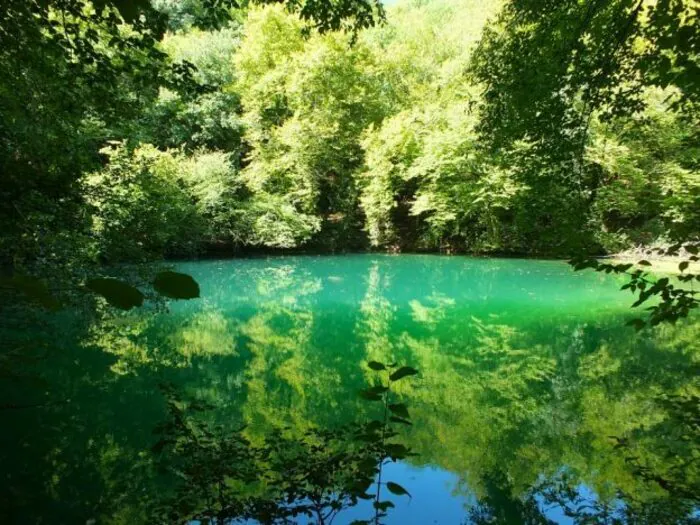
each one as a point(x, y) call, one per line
point(532, 398)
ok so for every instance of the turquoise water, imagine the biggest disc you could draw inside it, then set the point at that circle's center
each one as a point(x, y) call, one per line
point(533, 401)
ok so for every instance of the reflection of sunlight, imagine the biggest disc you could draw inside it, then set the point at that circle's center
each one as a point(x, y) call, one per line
point(208, 333)
point(430, 315)
point(377, 314)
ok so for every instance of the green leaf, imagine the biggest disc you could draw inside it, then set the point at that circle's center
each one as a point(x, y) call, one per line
point(402, 372)
point(683, 265)
point(383, 505)
point(361, 487)
point(397, 489)
point(176, 285)
point(400, 410)
point(400, 420)
point(117, 293)
point(673, 250)
point(367, 466)
point(374, 425)
point(370, 395)
point(369, 437)
point(376, 365)
point(397, 451)
point(637, 323)
point(644, 263)
point(128, 9)
point(377, 389)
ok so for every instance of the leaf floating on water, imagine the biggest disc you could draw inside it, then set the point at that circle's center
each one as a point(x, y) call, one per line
point(176, 285)
point(117, 293)
point(397, 489)
point(378, 389)
point(370, 394)
point(376, 365)
point(383, 505)
point(402, 372)
point(400, 410)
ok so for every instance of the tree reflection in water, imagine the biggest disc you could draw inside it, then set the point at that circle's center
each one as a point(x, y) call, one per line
point(543, 408)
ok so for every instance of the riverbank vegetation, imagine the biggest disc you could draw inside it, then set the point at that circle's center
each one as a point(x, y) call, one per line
point(453, 126)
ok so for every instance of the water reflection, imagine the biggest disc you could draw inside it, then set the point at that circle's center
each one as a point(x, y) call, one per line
point(534, 403)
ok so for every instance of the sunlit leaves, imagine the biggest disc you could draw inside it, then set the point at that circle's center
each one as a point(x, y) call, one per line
point(141, 206)
point(673, 301)
point(342, 14)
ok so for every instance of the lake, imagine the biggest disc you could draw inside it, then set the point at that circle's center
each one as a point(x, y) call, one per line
point(533, 401)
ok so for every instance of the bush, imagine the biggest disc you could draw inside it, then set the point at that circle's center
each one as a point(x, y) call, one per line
point(140, 208)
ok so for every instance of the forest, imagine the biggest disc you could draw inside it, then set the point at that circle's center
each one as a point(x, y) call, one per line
point(433, 131)
point(399, 184)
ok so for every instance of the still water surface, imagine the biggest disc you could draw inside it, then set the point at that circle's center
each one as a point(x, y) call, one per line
point(533, 401)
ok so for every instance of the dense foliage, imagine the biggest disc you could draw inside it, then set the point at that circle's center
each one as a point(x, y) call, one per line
point(178, 128)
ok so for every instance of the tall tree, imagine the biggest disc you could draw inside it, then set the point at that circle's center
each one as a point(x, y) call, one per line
point(549, 71)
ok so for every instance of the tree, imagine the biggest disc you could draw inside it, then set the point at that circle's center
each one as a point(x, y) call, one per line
point(78, 73)
point(549, 74)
